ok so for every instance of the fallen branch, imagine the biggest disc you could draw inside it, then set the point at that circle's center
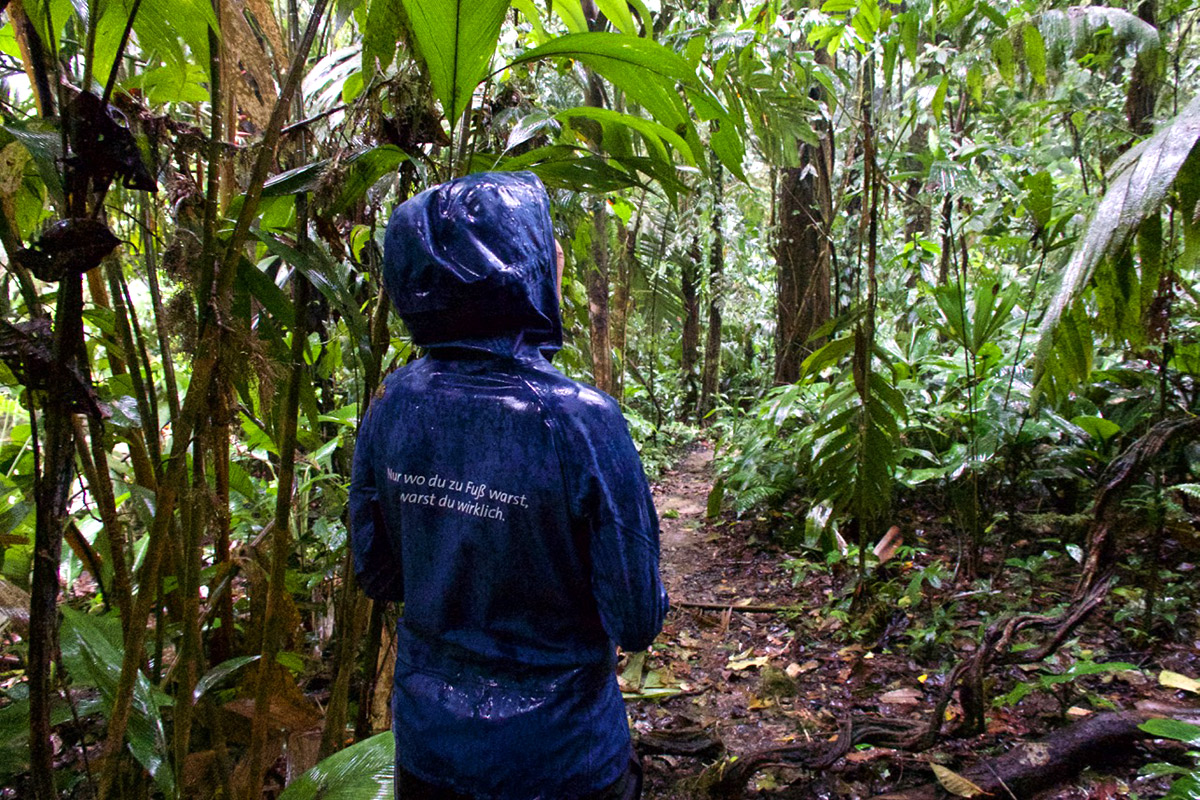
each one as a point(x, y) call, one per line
point(749, 609)
point(1033, 767)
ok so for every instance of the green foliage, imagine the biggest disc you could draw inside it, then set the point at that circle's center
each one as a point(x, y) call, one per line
point(363, 770)
point(1143, 178)
point(1186, 783)
point(1061, 682)
point(455, 39)
point(92, 653)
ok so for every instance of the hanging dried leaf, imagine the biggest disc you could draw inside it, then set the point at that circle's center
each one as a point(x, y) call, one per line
point(954, 783)
point(68, 247)
point(888, 545)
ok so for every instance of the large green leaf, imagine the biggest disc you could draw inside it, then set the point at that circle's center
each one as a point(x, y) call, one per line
point(362, 771)
point(1143, 177)
point(654, 134)
point(645, 70)
point(385, 21)
point(455, 39)
point(92, 653)
point(649, 74)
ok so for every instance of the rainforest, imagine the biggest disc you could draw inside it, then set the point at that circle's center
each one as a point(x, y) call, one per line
point(898, 299)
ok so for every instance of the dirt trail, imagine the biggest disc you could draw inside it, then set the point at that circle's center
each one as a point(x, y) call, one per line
point(721, 672)
point(682, 501)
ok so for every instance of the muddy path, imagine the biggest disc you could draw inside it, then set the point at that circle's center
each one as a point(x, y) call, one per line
point(720, 678)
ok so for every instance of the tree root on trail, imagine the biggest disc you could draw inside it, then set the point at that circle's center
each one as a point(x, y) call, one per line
point(1022, 772)
point(727, 779)
point(1032, 767)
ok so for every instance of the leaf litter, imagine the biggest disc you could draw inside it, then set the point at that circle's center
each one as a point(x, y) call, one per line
point(722, 683)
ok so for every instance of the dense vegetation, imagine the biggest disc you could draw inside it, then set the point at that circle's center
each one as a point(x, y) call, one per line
point(928, 264)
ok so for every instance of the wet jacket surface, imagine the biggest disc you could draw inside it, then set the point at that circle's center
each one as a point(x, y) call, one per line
point(505, 505)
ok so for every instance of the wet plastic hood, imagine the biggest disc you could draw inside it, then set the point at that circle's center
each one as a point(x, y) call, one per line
point(470, 264)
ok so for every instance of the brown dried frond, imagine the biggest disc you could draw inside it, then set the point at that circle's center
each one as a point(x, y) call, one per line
point(181, 259)
point(181, 320)
point(246, 357)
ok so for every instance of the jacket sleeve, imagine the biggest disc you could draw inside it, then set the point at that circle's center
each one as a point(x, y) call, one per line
point(376, 560)
point(615, 502)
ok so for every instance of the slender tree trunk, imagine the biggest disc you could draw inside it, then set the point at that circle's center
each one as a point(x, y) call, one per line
point(198, 396)
point(598, 309)
point(689, 289)
point(711, 375)
point(1143, 84)
point(621, 300)
point(52, 492)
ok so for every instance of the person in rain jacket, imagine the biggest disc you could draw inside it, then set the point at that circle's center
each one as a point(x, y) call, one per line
point(506, 506)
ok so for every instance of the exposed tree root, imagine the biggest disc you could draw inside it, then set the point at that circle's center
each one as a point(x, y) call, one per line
point(1033, 767)
point(1126, 468)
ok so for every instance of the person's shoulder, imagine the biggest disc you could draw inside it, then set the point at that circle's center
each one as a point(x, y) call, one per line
point(564, 394)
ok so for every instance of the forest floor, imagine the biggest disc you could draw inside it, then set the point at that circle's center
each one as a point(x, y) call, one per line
point(750, 659)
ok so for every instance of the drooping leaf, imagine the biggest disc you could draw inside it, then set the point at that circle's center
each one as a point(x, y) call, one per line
point(529, 126)
point(385, 19)
point(618, 14)
point(1035, 54)
point(92, 653)
point(654, 134)
point(645, 70)
point(456, 40)
point(1143, 177)
point(219, 673)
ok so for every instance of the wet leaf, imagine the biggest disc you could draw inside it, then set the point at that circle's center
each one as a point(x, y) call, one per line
point(360, 772)
point(1174, 680)
point(902, 697)
point(954, 783)
point(1172, 729)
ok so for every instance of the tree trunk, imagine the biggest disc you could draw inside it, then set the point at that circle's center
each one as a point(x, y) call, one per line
point(1143, 85)
point(621, 300)
point(803, 255)
point(598, 312)
point(711, 375)
point(52, 493)
point(689, 287)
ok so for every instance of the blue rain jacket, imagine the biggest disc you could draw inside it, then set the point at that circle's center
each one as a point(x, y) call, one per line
point(505, 505)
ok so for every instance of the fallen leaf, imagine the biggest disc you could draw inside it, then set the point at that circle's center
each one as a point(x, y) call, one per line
point(902, 697)
point(954, 783)
point(1173, 680)
point(631, 679)
point(737, 665)
point(795, 669)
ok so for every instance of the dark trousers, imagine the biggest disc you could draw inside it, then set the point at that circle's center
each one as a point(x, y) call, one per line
point(626, 787)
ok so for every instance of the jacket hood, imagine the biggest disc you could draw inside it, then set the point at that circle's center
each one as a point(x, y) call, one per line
point(470, 264)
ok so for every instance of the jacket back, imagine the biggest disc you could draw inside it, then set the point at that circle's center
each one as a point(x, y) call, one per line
point(505, 505)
